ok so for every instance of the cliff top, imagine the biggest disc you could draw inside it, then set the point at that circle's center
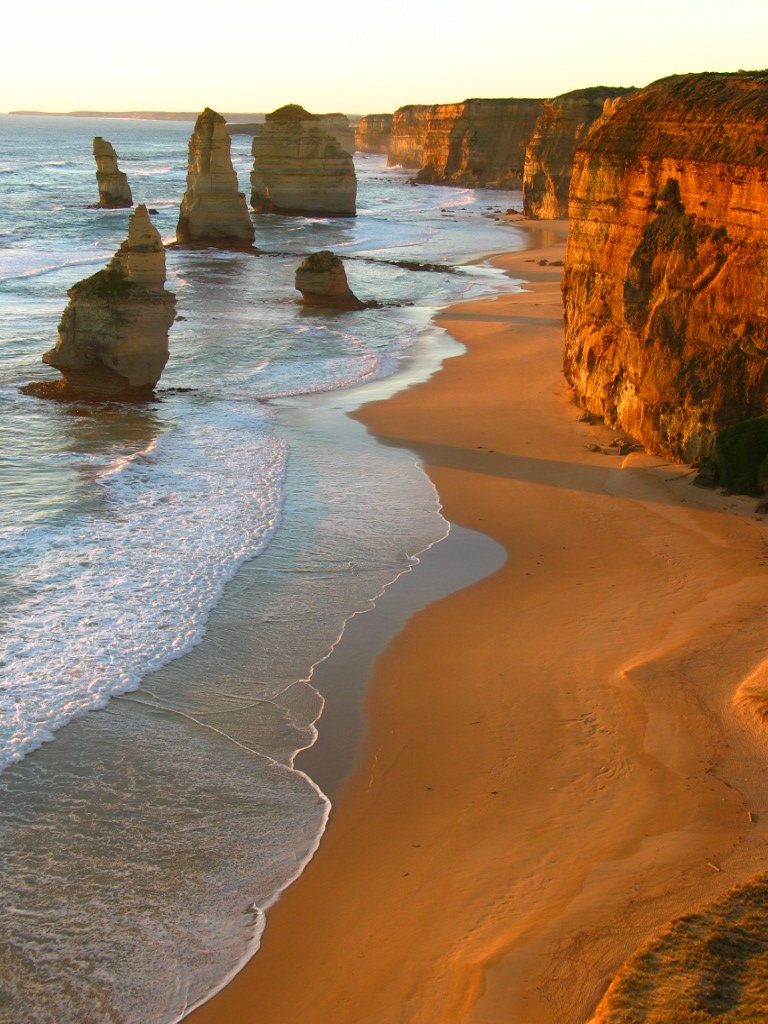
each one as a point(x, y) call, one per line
point(495, 102)
point(710, 117)
point(103, 148)
point(594, 92)
point(207, 116)
point(291, 112)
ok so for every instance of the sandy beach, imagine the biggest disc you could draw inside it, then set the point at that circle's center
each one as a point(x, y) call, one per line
point(553, 764)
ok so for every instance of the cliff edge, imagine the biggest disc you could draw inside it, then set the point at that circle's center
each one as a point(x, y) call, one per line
point(561, 127)
point(666, 307)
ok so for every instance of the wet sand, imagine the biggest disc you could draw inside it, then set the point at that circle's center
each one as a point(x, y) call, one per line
point(554, 765)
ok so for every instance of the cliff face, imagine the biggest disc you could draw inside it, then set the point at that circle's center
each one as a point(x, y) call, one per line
point(562, 125)
point(113, 335)
point(665, 294)
point(409, 129)
point(300, 168)
point(373, 133)
point(475, 143)
point(213, 212)
point(114, 190)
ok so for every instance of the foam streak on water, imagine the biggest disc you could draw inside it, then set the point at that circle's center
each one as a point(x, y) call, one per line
point(118, 592)
point(240, 520)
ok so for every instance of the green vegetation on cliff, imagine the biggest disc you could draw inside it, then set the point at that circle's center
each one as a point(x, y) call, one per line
point(742, 456)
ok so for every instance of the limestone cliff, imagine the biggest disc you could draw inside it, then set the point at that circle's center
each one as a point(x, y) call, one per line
point(114, 190)
point(338, 126)
point(373, 133)
point(666, 304)
point(409, 129)
point(213, 212)
point(113, 335)
point(300, 168)
point(476, 143)
point(563, 123)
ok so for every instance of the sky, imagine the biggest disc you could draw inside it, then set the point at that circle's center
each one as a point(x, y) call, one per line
point(358, 57)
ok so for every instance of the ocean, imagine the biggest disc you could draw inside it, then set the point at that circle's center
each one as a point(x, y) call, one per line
point(171, 572)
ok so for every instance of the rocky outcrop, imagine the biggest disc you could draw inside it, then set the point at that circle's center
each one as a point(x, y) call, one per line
point(213, 212)
point(475, 143)
point(114, 190)
point(665, 295)
point(339, 127)
point(322, 281)
point(113, 335)
point(373, 133)
point(562, 125)
point(300, 168)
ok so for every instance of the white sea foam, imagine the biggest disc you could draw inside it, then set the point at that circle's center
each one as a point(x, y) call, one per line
point(115, 595)
point(15, 265)
point(145, 172)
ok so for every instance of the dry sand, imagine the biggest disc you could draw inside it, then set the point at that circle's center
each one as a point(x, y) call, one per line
point(553, 766)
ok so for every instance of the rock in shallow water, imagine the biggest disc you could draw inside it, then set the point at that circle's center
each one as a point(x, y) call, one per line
point(113, 335)
point(322, 281)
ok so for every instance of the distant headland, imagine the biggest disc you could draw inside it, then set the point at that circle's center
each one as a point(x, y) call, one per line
point(137, 115)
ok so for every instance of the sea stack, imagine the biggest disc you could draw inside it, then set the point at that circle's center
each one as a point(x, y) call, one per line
point(213, 212)
point(373, 133)
point(114, 190)
point(339, 127)
point(562, 126)
point(666, 308)
point(113, 335)
point(300, 168)
point(322, 281)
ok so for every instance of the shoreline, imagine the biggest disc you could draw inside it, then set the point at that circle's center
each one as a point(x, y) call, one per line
point(552, 760)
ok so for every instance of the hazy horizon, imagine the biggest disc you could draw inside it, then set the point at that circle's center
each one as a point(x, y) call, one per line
point(356, 59)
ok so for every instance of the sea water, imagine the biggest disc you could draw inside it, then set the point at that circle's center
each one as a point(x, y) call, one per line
point(149, 807)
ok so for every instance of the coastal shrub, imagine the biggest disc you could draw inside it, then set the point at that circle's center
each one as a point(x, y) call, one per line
point(741, 452)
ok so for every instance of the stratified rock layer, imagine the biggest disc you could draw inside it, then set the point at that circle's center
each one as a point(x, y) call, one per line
point(339, 127)
point(114, 190)
point(409, 130)
point(300, 168)
point(666, 304)
point(373, 133)
point(562, 125)
point(477, 143)
point(322, 281)
point(213, 212)
point(113, 335)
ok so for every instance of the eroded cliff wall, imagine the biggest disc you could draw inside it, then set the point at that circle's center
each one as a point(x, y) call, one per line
point(665, 284)
point(373, 133)
point(477, 142)
point(562, 125)
point(409, 129)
